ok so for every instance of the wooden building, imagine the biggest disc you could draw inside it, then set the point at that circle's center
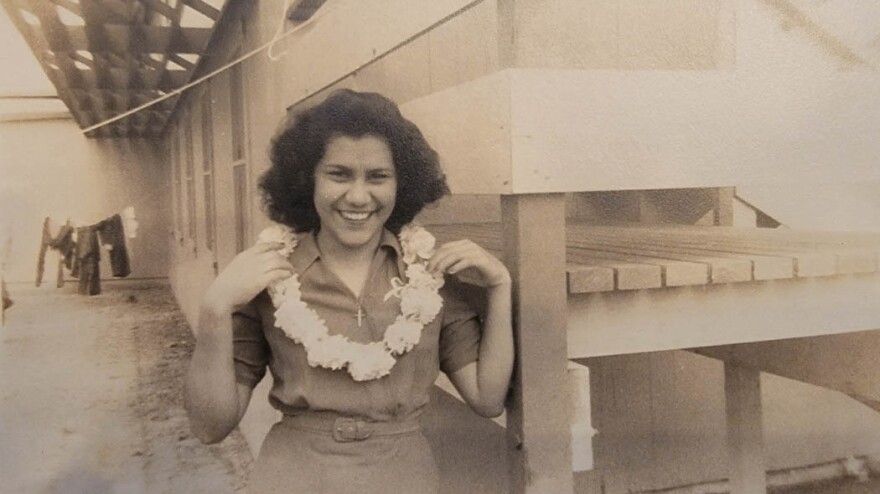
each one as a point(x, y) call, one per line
point(596, 145)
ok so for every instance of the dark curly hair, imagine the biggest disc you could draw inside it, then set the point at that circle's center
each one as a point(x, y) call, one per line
point(288, 186)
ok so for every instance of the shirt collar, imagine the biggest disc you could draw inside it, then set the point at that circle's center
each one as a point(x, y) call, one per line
point(307, 252)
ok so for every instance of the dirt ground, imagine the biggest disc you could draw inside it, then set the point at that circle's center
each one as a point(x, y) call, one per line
point(91, 397)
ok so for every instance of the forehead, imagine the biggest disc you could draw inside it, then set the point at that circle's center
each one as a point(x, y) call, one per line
point(367, 150)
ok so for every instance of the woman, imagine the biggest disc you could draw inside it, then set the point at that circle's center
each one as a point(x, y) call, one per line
point(353, 322)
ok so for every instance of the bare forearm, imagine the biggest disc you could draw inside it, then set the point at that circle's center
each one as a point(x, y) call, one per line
point(212, 400)
point(496, 351)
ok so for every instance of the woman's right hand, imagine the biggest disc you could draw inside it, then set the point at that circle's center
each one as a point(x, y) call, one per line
point(249, 273)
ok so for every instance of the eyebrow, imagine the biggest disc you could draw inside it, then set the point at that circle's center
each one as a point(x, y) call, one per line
point(369, 168)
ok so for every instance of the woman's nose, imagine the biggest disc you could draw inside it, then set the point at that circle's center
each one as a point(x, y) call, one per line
point(358, 193)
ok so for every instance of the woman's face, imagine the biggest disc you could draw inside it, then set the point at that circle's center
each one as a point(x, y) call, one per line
point(355, 190)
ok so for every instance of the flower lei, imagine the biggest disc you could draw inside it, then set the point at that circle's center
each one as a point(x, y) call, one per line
point(420, 303)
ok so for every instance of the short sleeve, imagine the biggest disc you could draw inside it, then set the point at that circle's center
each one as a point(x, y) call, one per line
point(250, 350)
point(460, 330)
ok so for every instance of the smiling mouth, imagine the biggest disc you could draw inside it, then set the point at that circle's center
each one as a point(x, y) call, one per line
point(355, 216)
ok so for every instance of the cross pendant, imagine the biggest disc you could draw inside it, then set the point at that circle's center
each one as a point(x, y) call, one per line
point(360, 315)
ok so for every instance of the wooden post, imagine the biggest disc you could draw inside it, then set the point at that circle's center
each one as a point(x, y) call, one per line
point(742, 389)
point(724, 200)
point(539, 416)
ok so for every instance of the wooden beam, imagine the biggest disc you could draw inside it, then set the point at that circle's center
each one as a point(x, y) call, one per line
point(539, 416)
point(69, 5)
point(186, 64)
point(204, 8)
point(165, 10)
point(745, 438)
point(623, 322)
point(302, 10)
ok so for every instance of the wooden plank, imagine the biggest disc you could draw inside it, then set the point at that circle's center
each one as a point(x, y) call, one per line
point(626, 275)
point(854, 253)
point(742, 388)
point(673, 272)
point(724, 269)
point(580, 278)
point(770, 257)
point(656, 320)
point(204, 8)
point(727, 267)
point(539, 416)
point(588, 279)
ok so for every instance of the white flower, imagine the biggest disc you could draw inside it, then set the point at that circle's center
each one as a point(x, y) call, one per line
point(281, 290)
point(281, 234)
point(402, 335)
point(418, 276)
point(331, 352)
point(373, 361)
point(420, 304)
point(416, 243)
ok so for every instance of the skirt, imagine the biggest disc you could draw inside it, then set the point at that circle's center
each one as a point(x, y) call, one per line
point(322, 453)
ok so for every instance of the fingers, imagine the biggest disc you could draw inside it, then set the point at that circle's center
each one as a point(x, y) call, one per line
point(459, 254)
point(273, 276)
point(261, 247)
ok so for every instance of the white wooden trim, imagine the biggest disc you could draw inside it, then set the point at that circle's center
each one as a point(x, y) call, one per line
point(539, 130)
point(613, 323)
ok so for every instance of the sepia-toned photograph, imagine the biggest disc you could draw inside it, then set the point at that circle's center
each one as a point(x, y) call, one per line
point(440, 246)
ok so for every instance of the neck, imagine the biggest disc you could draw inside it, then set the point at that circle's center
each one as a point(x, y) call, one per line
point(341, 255)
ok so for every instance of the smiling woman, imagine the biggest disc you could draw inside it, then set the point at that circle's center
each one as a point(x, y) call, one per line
point(355, 190)
point(352, 310)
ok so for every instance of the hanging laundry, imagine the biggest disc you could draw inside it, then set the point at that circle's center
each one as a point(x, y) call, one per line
point(65, 245)
point(88, 255)
point(129, 222)
point(45, 240)
point(7, 301)
point(113, 235)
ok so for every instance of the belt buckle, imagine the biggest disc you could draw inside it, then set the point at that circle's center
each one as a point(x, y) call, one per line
point(348, 429)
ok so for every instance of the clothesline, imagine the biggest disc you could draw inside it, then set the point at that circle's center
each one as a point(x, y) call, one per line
point(80, 249)
point(271, 44)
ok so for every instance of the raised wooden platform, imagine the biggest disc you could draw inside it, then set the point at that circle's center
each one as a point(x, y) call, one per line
point(720, 285)
point(609, 258)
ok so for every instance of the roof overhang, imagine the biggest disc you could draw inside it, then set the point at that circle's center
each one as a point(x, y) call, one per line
point(107, 57)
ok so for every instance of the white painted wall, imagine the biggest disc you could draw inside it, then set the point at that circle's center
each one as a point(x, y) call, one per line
point(48, 168)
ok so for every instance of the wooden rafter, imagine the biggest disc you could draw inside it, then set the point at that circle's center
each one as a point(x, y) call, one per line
point(121, 55)
point(203, 8)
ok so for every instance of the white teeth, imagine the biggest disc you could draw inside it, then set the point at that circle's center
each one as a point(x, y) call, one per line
point(354, 216)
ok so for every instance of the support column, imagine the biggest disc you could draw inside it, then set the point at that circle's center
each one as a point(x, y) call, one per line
point(745, 441)
point(539, 416)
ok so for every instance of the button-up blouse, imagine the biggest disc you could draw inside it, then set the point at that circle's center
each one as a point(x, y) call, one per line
point(448, 343)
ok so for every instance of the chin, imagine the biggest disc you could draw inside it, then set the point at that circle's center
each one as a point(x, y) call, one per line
point(357, 240)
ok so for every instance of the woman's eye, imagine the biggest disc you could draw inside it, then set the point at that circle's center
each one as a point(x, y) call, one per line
point(379, 177)
point(338, 174)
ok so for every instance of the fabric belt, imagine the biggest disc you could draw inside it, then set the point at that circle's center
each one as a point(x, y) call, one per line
point(347, 429)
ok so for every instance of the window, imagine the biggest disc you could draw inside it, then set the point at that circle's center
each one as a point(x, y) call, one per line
point(176, 193)
point(239, 179)
point(236, 86)
point(189, 179)
point(239, 155)
point(208, 169)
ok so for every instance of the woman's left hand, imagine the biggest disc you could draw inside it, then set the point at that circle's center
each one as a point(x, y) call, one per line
point(460, 255)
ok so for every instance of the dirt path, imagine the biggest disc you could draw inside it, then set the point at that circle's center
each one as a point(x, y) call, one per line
point(91, 397)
